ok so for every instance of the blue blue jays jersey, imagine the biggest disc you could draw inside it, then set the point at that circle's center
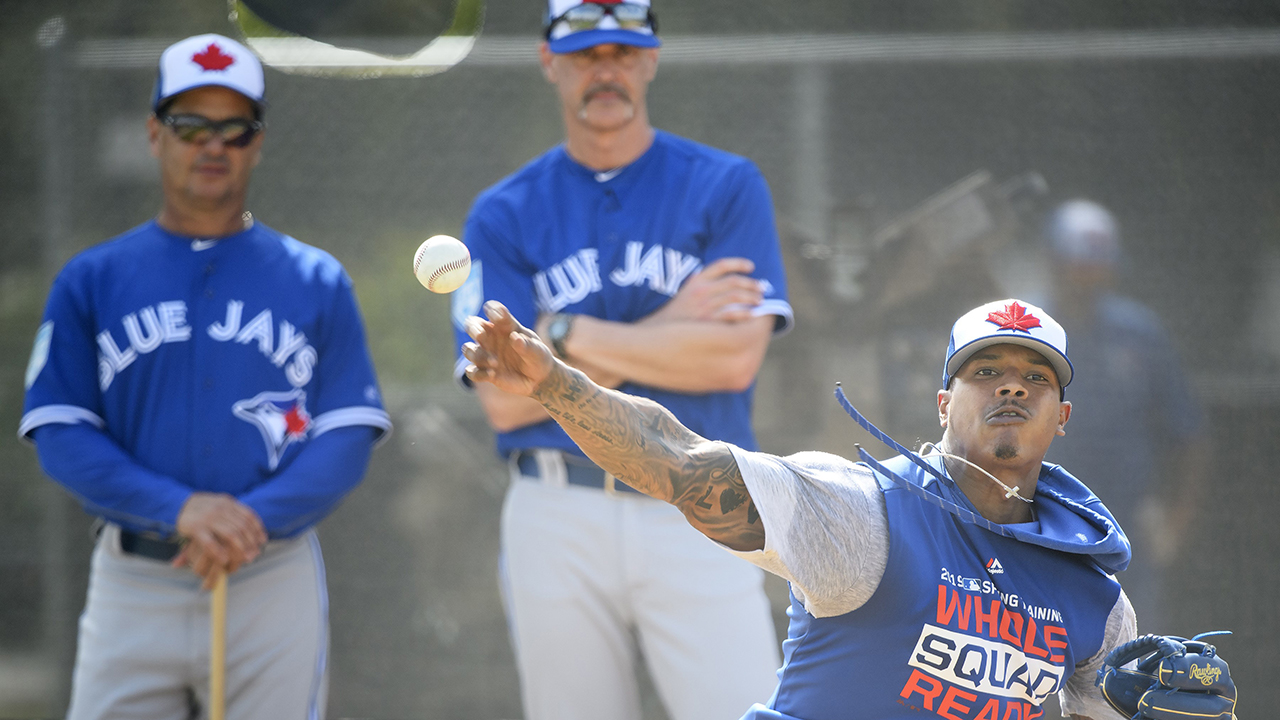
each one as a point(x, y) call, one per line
point(965, 624)
point(559, 237)
point(211, 362)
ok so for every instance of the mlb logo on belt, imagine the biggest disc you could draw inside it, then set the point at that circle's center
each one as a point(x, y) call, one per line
point(281, 417)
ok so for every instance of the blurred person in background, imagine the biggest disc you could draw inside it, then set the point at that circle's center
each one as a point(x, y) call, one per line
point(653, 264)
point(1139, 433)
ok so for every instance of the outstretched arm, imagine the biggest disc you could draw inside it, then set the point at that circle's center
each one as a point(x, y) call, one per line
point(635, 439)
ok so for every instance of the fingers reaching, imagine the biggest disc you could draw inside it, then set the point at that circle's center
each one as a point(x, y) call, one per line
point(505, 353)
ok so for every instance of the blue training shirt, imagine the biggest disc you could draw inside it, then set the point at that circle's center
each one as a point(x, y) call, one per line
point(557, 236)
point(211, 363)
point(965, 624)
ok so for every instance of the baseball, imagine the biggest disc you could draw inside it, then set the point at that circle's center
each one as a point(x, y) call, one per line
point(441, 264)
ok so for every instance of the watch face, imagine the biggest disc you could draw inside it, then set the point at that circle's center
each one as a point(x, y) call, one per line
point(557, 327)
point(557, 331)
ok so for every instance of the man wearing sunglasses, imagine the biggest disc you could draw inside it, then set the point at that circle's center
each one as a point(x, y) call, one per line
point(652, 263)
point(201, 384)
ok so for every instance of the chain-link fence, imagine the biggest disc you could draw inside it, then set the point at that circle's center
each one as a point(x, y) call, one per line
point(1172, 128)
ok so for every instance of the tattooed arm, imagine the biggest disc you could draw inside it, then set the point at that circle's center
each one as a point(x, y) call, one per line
point(635, 439)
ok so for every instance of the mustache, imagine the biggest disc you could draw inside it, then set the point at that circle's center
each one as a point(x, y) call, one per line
point(614, 88)
point(212, 160)
point(1008, 403)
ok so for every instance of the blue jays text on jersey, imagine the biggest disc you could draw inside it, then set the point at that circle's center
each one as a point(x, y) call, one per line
point(553, 237)
point(208, 362)
point(166, 322)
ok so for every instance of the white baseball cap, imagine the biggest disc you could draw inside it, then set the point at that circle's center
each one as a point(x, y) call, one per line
point(563, 38)
point(1007, 322)
point(205, 60)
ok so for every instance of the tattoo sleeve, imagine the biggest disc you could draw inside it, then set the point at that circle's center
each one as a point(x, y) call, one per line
point(643, 445)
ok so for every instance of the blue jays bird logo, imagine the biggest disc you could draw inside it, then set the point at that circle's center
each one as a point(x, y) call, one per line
point(281, 417)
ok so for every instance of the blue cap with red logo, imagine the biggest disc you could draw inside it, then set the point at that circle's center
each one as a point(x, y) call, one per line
point(205, 60)
point(573, 25)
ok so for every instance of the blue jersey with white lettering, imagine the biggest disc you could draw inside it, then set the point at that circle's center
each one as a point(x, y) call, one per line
point(559, 237)
point(211, 363)
point(965, 624)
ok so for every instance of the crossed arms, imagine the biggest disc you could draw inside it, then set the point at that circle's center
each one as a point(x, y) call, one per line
point(705, 339)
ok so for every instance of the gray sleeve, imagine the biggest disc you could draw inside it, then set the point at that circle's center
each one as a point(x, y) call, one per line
point(1079, 696)
point(826, 527)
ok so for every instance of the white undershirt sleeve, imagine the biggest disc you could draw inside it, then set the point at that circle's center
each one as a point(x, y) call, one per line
point(826, 527)
point(1079, 696)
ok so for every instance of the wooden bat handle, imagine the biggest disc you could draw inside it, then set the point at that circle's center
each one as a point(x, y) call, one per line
point(218, 650)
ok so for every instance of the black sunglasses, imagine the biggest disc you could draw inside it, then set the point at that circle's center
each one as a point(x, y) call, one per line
point(629, 16)
point(198, 129)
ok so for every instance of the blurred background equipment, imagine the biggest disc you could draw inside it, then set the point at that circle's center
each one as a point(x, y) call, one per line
point(896, 286)
point(943, 247)
point(856, 113)
point(359, 38)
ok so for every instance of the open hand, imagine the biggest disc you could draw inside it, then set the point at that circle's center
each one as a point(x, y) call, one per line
point(505, 353)
point(722, 291)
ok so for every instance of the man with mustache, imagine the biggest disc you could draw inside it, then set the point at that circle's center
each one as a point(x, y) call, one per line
point(652, 263)
point(201, 383)
point(970, 582)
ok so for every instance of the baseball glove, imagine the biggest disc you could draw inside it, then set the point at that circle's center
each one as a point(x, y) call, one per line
point(1174, 679)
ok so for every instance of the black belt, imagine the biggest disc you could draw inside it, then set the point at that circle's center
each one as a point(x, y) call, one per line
point(148, 547)
point(578, 471)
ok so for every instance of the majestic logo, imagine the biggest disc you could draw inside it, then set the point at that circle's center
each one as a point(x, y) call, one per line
point(1014, 317)
point(994, 567)
point(281, 417)
point(212, 58)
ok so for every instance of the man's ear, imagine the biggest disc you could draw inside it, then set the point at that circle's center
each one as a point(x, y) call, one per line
point(153, 135)
point(653, 64)
point(1064, 414)
point(545, 56)
point(256, 149)
point(944, 406)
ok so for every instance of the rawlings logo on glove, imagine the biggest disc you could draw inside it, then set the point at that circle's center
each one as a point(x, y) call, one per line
point(1173, 679)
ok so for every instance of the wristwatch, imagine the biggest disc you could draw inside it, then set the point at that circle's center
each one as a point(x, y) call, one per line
point(558, 333)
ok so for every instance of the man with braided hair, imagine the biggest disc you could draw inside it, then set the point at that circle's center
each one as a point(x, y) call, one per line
point(969, 583)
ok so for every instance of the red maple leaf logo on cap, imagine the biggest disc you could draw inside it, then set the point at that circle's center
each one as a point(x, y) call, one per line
point(212, 58)
point(1014, 317)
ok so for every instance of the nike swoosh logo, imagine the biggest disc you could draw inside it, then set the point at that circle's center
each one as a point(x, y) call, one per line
point(198, 245)
point(607, 176)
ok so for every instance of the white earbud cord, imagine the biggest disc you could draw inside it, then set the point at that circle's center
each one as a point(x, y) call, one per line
point(927, 449)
